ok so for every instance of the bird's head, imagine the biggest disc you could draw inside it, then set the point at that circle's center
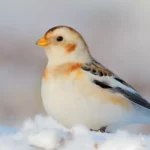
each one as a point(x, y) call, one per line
point(64, 44)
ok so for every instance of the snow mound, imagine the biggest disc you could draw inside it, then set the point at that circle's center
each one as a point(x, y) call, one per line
point(44, 133)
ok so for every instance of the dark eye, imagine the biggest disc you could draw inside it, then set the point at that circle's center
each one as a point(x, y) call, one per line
point(59, 38)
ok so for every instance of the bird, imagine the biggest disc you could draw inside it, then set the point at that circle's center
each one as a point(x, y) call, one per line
point(77, 89)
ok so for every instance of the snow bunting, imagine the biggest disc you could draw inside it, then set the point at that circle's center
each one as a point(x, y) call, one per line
point(76, 89)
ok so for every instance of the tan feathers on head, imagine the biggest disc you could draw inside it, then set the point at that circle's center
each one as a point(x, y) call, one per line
point(64, 44)
point(52, 37)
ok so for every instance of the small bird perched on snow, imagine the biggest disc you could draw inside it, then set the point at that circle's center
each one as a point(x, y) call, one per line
point(76, 89)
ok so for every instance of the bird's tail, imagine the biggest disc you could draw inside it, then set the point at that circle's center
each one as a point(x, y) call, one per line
point(141, 115)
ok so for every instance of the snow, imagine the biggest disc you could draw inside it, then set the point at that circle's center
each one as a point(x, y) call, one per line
point(44, 133)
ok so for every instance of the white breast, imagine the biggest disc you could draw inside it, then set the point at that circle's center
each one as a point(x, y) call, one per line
point(70, 102)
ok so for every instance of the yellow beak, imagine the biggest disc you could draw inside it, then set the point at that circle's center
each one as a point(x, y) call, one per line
point(42, 42)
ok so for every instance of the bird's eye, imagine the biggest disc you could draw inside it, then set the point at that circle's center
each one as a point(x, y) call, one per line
point(59, 38)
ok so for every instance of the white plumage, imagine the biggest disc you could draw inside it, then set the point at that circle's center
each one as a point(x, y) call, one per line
point(77, 89)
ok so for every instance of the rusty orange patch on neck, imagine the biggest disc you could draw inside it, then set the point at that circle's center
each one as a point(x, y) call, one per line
point(70, 47)
point(73, 67)
point(45, 75)
point(63, 70)
point(67, 68)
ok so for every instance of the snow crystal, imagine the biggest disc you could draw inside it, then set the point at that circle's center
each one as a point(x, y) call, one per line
point(47, 134)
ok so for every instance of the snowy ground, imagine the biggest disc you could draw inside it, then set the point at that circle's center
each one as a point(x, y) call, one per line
point(44, 133)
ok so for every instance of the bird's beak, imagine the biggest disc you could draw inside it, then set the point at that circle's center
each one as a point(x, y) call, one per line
point(42, 42)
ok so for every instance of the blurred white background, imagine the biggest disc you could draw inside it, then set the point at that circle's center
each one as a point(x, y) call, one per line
point(117, 32)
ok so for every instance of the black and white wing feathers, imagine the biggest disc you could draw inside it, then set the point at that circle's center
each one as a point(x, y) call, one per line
point(106, 79)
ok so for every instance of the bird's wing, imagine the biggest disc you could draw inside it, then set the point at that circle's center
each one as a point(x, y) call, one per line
point(106, 79)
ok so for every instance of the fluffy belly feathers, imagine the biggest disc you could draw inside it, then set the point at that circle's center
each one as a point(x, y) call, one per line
point(76, 102)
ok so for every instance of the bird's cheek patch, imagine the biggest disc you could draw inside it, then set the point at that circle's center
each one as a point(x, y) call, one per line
point(70, 47)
